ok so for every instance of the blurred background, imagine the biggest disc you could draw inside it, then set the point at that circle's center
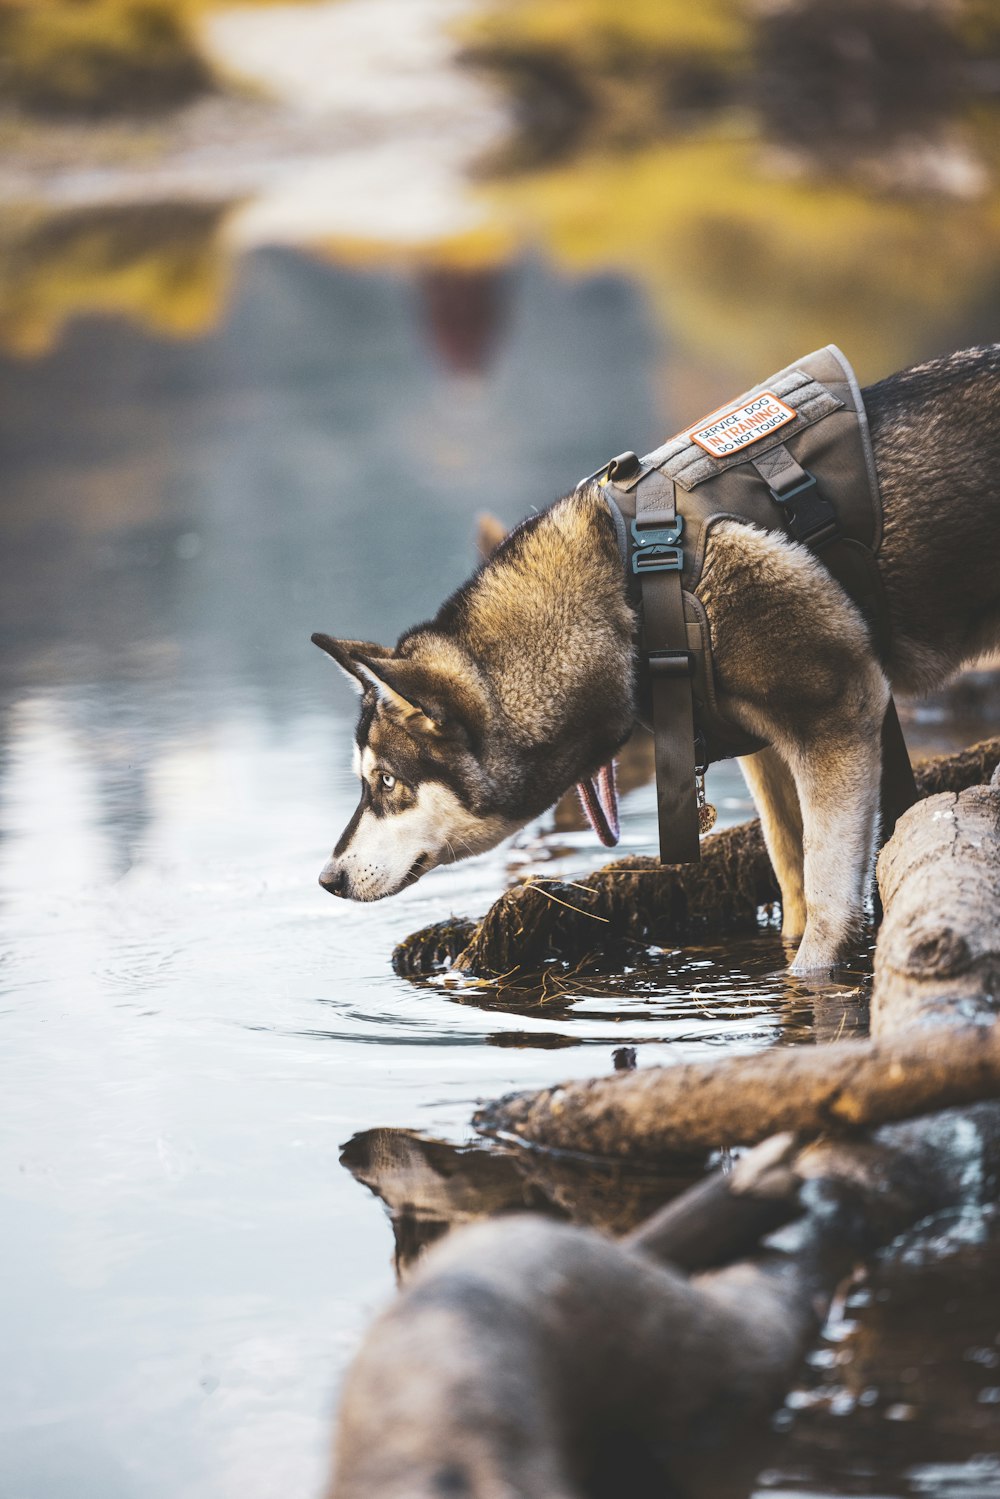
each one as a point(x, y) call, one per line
point(289, 294)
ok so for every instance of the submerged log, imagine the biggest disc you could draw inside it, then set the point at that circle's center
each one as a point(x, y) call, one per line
point(636, 899)
point(533, 1358)
point(939, 879)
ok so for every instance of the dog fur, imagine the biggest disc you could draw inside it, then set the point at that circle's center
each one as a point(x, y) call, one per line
point(524, 683)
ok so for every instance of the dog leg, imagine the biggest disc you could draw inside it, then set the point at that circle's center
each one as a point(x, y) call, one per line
point(794, 664)
point(772, 787)
point(838, 787)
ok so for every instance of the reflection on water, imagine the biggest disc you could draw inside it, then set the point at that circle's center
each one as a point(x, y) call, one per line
point(163, 266)
point(901, 1395)
point(904, 1383)
point(430, 1186)
point(733, 993)
point(210, 451)
point(192, 1030)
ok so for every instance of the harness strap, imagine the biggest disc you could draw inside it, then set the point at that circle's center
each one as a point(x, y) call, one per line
point(657, 558)
point(811, 518)
point(899, 789)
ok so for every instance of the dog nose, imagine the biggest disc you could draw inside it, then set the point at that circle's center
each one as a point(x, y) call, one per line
point(334, 879)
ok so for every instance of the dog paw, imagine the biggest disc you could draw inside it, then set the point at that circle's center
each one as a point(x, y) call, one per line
point(812, 960)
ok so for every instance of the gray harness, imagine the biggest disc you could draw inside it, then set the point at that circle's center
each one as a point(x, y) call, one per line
point(793, 454)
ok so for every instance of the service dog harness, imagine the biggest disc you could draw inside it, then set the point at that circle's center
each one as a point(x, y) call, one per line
point(793, 454)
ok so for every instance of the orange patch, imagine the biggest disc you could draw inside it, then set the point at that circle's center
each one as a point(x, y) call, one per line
point(737, 427)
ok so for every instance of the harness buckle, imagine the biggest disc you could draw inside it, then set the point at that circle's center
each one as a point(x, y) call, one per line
point(658, 559)
point(813, 520)
point(670, 663)
point(809, 482)
point(658, 549)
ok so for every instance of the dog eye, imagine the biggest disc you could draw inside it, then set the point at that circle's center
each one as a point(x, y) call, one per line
point(388, 781)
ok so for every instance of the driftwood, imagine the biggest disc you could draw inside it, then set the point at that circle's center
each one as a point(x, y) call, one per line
point(939, 878)
point(637, 900)
point(938, 955)
point(696, 1106)
point(536, 1359)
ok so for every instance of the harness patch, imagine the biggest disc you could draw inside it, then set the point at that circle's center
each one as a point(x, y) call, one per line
point(739, 426)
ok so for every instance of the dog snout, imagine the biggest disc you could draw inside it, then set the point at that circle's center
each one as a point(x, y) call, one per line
point(334, 879)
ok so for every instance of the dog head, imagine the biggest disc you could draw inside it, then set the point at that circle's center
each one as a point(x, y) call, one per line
point(426, 795)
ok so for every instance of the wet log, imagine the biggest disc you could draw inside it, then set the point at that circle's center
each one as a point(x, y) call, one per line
point(532, 1358)
point(938, 956)
point(725, 1216)
point(936, 961)
point(700, 1106)
point(636, 899)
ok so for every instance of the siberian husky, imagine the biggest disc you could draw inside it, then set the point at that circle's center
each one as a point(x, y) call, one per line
point(525, 681)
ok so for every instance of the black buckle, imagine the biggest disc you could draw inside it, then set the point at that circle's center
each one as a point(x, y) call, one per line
point(809, 482)
point(658, 550)
point(670, 663)
point(813, 520)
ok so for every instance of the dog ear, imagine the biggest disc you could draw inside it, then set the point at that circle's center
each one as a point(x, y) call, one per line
point(346, 653)
point(423, 700)
point(405, 690)
point(490, 531)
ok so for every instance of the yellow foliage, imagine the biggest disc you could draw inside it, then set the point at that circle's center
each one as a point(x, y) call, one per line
point(592, 32)
point(746, 269)
point(159, 264)
point(98, 56)
point(745, 260)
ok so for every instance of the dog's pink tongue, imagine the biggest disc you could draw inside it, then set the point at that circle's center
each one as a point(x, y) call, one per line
point(599, 799)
